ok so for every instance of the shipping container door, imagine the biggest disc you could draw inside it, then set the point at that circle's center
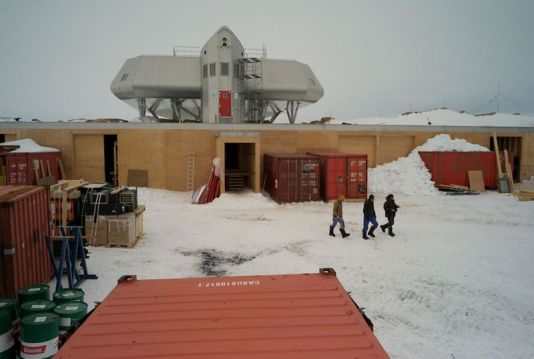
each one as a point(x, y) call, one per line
point(17, 169)
point(336, 182)
point(225, 103)
point(309, 180)
point(292, 182)
point(357, 177)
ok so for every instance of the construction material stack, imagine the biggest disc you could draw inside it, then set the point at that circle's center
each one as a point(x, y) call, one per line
point(112, 215)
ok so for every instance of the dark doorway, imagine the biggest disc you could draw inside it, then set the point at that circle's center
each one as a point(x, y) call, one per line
point(110, 159)
point(2, 138)
point(238, 166)
point(513, 146)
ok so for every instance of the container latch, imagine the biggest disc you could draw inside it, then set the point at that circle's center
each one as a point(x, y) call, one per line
point(9, 251)
point(329, 271)
point(127, 278)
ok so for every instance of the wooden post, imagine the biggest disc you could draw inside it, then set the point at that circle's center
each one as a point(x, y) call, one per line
point(64, 209)
point(497, 156)
point(508, 171)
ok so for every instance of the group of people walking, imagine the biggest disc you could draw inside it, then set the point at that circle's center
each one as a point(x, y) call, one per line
point(369, 216)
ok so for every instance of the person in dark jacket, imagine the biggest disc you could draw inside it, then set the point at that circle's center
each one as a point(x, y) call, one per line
point(369, 215)
point(390, 208)
point(337, 217)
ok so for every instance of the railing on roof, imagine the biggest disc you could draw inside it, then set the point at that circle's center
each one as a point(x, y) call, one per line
point(261, 53)
point(179, 50)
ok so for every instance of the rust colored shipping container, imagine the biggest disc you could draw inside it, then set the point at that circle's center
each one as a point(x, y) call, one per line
point(304, 316)
point(24, 221)
point(21, 167)
point(343, 173)
point(450, 168)
point(292, 177)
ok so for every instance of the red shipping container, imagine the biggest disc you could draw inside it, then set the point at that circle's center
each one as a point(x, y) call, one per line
point(303, 316)
point(292, 177)
point(343, 173)
point(24, 222)
point(20, 166)
point(450, 168)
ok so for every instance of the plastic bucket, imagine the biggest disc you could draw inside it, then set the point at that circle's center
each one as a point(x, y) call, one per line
point(70, 314)
point(69, 295)
point(39, 338)
point(34, 292)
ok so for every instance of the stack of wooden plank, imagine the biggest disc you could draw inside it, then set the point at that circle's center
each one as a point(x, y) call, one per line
point(525, 195)
point(455, 189)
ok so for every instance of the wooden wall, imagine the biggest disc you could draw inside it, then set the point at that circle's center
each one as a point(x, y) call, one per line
point(163, 152)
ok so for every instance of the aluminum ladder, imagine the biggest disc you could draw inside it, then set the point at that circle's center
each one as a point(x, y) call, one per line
point(190, 182)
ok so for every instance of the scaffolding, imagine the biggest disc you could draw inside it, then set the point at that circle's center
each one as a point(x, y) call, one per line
point(252, 106)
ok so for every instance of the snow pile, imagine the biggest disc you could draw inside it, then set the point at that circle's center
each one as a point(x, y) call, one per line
point(446, 117)
point(409, 175)
point(28, 145)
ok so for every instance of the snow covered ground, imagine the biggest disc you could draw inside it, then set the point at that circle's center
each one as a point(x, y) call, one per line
point(456, 282)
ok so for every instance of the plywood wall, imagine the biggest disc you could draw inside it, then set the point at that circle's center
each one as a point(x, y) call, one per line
point(163, 153)
point(88, 157)
point(361, 145)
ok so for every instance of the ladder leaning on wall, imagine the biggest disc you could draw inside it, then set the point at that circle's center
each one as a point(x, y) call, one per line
point(190, 171)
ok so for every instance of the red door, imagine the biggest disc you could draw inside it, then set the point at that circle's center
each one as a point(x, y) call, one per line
point(335, 178)
point(225, 103)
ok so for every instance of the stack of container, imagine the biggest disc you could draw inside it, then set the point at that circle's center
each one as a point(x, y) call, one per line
point(24, 223)
point(292, 177)
point(343, 173)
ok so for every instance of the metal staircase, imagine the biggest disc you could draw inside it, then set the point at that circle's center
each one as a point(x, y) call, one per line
point(252, 106)
point(235, 183)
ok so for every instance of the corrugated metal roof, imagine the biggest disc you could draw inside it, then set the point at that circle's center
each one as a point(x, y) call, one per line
point(262, 317)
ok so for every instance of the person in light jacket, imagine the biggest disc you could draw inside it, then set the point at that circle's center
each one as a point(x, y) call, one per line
point(369, 215)
point(337, 217)
point(390, 209)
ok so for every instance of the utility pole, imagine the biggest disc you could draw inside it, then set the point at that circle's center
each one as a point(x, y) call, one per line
point(498, 95)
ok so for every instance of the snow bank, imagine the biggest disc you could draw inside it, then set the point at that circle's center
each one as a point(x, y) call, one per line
point(28, 145)
point(446, 117)
point(409, 175)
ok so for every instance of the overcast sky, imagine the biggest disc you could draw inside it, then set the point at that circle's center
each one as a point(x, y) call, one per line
point(58, 58)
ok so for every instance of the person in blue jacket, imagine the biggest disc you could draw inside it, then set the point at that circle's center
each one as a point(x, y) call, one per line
point(369, 215)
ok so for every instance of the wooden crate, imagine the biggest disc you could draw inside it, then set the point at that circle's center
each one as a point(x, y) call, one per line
point(96, 233)
point(121, 230)
point(139, 221)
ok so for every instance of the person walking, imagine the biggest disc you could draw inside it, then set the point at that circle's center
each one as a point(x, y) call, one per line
point(338, 217)
point(369, 215)
point(390, 208)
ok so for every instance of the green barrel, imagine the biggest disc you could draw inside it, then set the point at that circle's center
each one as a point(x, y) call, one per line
point(7, 335)
point(70, 314)
point(36, 306)
point(39, 336)
point(34, 292)
point(9, 304)
point(69, 295)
